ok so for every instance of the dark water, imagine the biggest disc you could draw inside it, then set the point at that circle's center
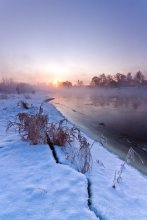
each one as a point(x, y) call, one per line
point(119, 115)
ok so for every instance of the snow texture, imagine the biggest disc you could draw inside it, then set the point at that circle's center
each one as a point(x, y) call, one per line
point(33, 186)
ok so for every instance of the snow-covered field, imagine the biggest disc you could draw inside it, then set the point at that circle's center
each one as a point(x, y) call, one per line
point(34, 186)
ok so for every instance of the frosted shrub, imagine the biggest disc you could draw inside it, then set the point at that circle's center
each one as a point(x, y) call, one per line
point(60, 133)
point(36, 129)
point(118, 173)
point(32, 128)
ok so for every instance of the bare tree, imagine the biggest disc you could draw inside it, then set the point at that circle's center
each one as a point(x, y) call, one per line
point(139, 77)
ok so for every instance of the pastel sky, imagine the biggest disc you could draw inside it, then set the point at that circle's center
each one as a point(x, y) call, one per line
point(50, 40)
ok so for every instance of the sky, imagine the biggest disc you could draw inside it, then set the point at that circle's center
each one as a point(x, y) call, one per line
point(51, 40)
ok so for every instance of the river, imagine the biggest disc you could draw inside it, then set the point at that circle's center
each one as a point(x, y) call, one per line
point(116, 117)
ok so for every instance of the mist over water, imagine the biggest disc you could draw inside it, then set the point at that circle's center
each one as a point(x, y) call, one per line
point(121, 110)
point(120, 114)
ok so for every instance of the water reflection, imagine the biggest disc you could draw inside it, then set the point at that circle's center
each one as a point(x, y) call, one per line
point(119, 115)
point(117, 101)
point(123, 111)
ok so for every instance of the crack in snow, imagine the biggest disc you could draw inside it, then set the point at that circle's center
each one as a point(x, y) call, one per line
point(51, 146)
point(90, 200)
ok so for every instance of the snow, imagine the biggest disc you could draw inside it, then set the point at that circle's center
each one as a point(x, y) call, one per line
point(34, 186)
point(128, 200)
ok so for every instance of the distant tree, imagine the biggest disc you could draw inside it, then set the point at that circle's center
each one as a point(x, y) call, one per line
point(139, 77)
point(23, 88)
point(66, 84)
point(80, 83)
point(7, 85)
point(110, 81)
point(120, 79)
point(129, 77)
point(109, 78)
point(103, 79)
point(95, 81)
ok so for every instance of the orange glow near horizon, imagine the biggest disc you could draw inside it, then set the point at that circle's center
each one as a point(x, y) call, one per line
point(56, 82)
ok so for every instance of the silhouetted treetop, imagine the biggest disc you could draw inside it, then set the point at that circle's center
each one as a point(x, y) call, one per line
point(118, 79)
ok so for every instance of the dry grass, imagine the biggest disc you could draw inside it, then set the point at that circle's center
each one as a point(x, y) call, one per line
point(60, 134)
point(118, 173)
point(36, 129)
point(76, 147)
point(84, 154)
point(31, 128)
point(24, 105)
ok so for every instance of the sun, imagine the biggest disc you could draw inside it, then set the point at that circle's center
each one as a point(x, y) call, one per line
point(56, 83)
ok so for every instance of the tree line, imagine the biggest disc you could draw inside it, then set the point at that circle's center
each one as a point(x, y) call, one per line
point(9, 86)
point(117, 80)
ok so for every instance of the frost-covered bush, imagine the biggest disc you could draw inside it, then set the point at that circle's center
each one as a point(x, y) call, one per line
point(36, 129)
point(32, 128)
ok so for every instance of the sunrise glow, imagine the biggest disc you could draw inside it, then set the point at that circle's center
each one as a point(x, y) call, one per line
point(71, 40)
point(56, 82)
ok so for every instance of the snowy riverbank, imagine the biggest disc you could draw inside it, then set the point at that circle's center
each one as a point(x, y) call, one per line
point(33, 186)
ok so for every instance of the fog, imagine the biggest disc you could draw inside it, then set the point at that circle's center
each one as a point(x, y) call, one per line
point(132, 98)
point(122, 110)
